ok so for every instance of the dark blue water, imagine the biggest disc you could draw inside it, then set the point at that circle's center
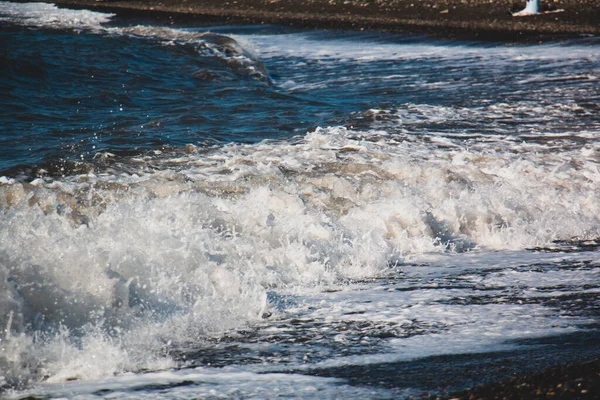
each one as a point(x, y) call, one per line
point(70, 94)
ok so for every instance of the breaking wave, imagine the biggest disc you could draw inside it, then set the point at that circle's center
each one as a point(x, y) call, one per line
point(43, 15)
point(102, 269)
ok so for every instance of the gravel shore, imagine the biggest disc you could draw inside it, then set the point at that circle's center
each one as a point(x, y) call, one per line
point(466, 19)
point(575, 381)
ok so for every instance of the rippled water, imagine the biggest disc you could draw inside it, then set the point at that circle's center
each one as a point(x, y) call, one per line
point(253, 211)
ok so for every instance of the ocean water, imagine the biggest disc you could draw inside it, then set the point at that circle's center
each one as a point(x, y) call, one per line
point(260, 212)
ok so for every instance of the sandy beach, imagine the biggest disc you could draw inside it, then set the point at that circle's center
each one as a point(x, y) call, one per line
point(465, 19)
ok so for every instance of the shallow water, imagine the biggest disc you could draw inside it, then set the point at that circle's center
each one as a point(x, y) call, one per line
point(243, 212)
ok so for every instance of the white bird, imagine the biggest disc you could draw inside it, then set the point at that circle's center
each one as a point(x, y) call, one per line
point(532, 7)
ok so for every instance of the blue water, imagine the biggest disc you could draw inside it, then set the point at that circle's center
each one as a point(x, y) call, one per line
point(72, 94)
point(253, 211)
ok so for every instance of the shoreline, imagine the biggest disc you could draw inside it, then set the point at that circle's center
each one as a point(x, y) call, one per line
point(570, 381)
point(452, 19)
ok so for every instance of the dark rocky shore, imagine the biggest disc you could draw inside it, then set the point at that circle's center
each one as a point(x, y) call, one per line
point(468, 19)
point(576, 381)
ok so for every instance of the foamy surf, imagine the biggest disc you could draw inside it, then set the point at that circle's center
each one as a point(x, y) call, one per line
point(134, 262)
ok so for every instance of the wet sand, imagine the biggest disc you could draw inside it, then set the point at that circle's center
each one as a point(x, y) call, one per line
point(465, 19)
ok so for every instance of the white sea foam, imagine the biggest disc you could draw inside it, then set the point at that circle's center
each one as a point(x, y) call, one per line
point(315, 46)
point(210, 383)
point(525, 123)
point(423, 113)
point(389, 64)
point(118, 266)
point(467, 303)
point(49, 16)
